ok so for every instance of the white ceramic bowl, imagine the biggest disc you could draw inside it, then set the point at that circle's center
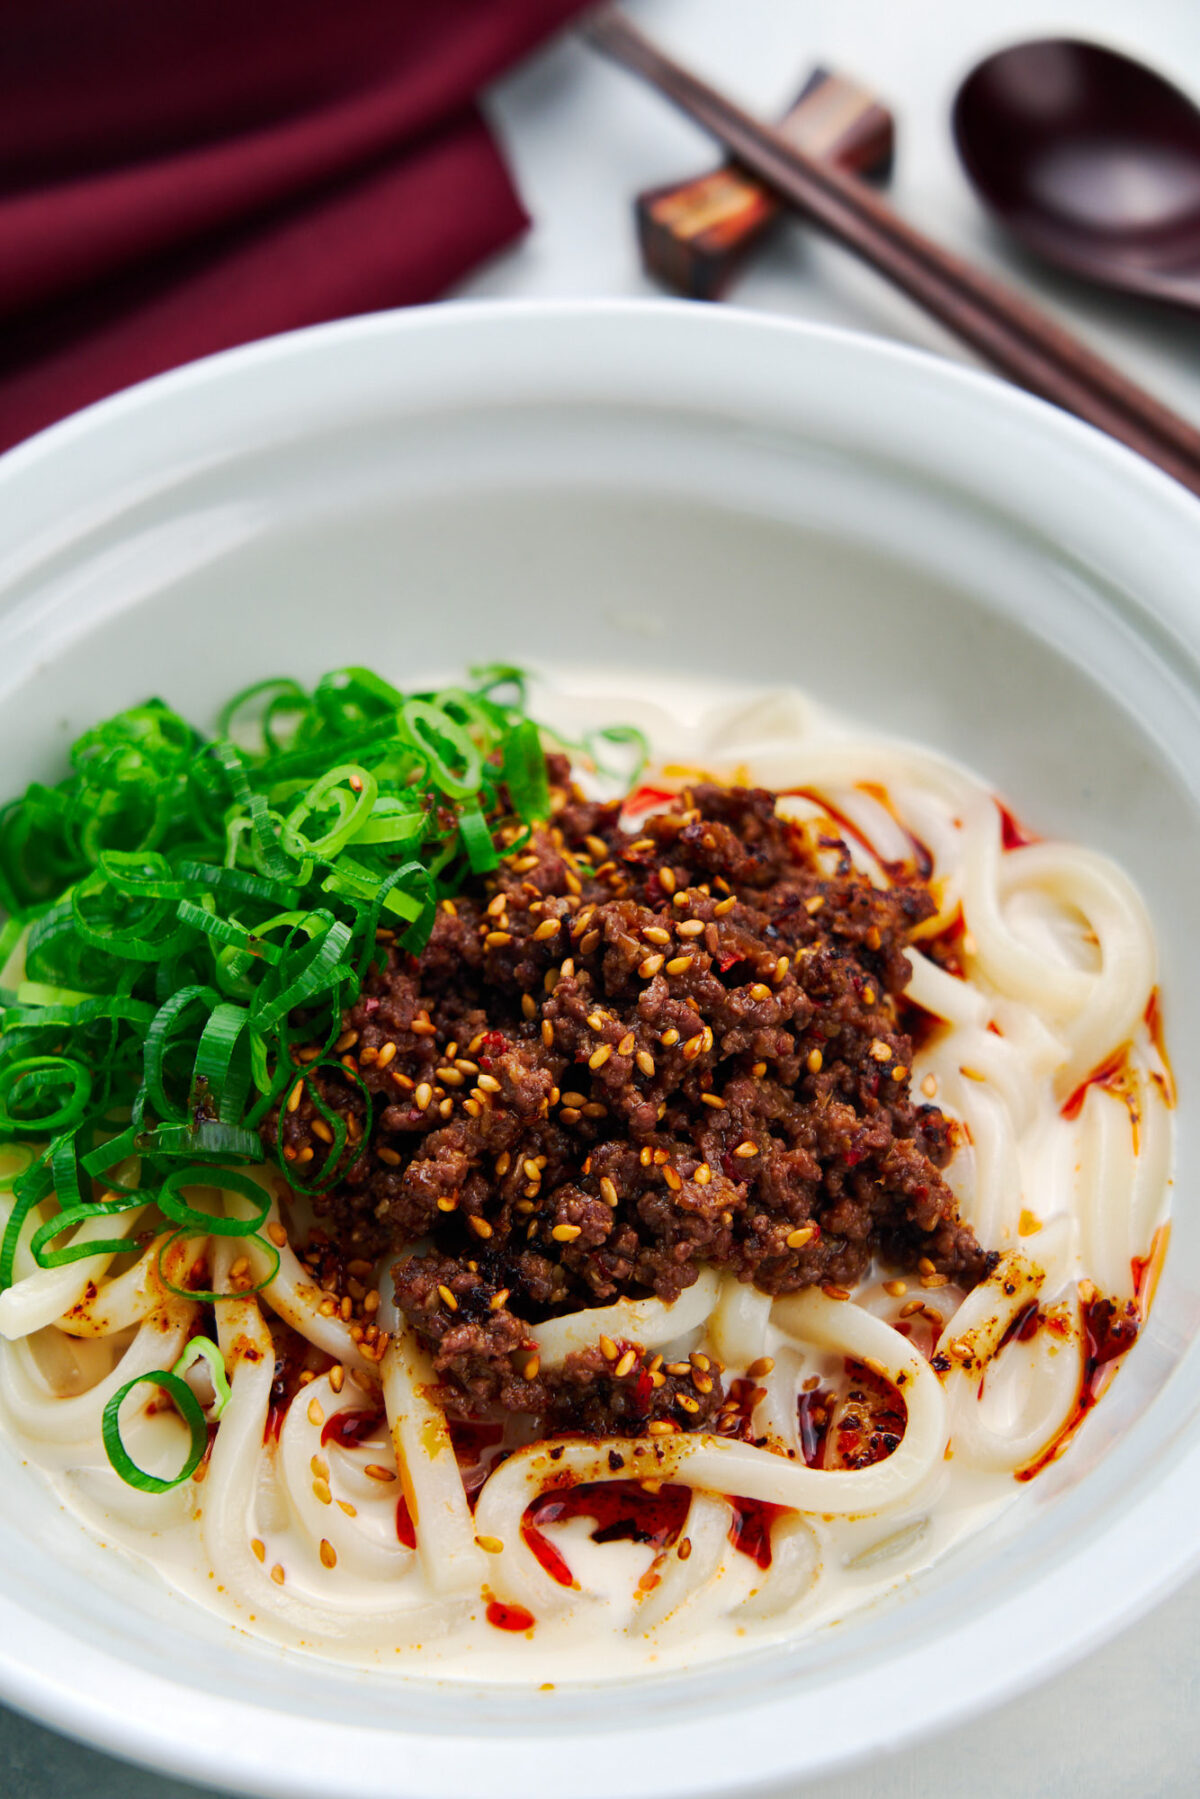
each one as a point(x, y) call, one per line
point(697, 491)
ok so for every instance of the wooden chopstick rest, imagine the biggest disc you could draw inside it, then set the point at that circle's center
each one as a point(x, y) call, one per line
point(695, 235)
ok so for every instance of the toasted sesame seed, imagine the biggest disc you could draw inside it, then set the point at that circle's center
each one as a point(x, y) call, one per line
point(496, 939)
point(895, 1289)
point(422, 1096)
point(328, 1553)
point(450, 1077)
point(833, 1292)
point(375, 1471)
point(259, 1548)
point(608, 1190)
point(899, 1072)
point(650, 966)
point(277, 1234)
point(608, 1349)
point(316, 1414)
point(669, 1038)
point(625, 1046)
point(389, 1156)
point(725, 906)
point(309, 1054)
point(703, 1175)
point(337, 1377)
point(447, 1298)
point(645, 1062)
point(490, 1545)
point(528, 1005)
point(690, 927)
point(387, 1054)
point(321, 1492)
point(746, 1149)
point(321, 1129)
point(532, 1368)
point(465, 1065)
point(566, 1233)
point(935, 1280)
point(567, 969)
point(306, 1154)
point(549, 927)
point(758, 991)
point(547, 1039)
point(813, 905)
point(868, 996)
point(672, 1179)
point(480, 1226)
point(654, 933)
point(661, 1427)
point(277, 1575)
point(600, 1056)
point(686, 1403)
point(798, 1238)
point(880, 1051)
point(781, 968)
point(702, 1383)
point(448, 1202)
point(679, 964)
point(294, 1097)
point(761, 1368)
point(626, 1365)
point(489, 1083)
point(713, 1100)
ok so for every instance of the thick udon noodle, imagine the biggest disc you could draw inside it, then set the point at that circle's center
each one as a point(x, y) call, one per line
point(301, 1535)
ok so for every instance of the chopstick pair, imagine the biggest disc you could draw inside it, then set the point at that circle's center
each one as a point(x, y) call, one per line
point(1009, 331)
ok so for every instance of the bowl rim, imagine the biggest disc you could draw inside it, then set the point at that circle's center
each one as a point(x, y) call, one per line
point(96, 1696)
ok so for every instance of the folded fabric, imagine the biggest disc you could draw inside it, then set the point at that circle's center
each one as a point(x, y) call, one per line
point(178, 178)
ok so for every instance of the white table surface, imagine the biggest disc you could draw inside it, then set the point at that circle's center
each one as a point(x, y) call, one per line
point(582, 138)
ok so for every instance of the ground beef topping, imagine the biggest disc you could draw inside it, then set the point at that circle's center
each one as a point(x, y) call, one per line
point(630, 1054)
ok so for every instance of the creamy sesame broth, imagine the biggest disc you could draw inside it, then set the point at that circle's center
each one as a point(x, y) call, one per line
point(757, 1427)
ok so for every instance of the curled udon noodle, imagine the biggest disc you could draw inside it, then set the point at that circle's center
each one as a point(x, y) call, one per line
point(720, 1465)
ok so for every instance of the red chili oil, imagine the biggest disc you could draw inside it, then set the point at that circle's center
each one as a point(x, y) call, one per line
point(1112, 1073)
point(476, 1445)
point(922, 859)
point(1013, 834)
point(813, 1412)
point(622, 1512)
point(349, 1428)
point(1154, 1026)
point(873, 1428)
point(509, 1617)
point(294, 1356)
point(642, 799)
point(750, 1532)
point(1110, 1329)
point(405, 1528)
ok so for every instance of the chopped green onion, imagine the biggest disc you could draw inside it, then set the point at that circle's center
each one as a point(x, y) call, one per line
point(205, 1350)
point(190, 1411)
point(180, 913)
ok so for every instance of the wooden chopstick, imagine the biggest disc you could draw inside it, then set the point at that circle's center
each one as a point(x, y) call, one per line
point(1010, 332)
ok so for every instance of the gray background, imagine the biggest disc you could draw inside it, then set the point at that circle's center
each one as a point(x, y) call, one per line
point(582, 139)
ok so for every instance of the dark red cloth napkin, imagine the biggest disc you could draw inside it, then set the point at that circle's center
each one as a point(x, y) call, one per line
point(178, 176)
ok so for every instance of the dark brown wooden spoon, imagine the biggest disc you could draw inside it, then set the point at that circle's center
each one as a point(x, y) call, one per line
point(1091, 159)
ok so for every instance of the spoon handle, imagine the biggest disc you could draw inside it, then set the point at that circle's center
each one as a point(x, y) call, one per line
point(1011, 333)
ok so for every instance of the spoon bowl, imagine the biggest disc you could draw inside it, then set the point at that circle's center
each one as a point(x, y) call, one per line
point(1091, 159)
